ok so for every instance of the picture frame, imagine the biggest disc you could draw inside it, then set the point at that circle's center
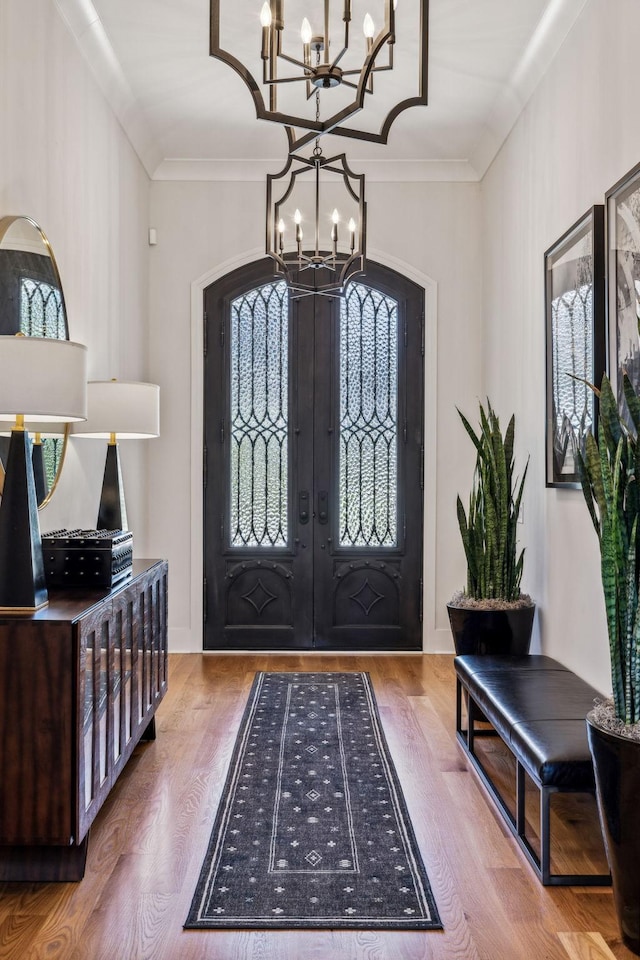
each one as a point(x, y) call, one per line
point(622, 203)
point(576, 338)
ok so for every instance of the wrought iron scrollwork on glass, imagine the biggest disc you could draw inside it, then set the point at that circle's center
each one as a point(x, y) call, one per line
point(41, 310)
point(259, 492)
point(368, 418)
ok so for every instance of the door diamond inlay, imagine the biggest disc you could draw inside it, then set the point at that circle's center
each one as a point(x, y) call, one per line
point(366, 597)
point(259, 597)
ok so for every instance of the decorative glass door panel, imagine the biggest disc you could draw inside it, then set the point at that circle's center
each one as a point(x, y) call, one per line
point(368, 418)
point(259, 417)
point(313, 459)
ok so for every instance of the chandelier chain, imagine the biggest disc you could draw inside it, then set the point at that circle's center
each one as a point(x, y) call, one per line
point(317, 150)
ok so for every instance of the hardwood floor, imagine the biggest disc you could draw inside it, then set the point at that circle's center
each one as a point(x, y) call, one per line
point(148, 842)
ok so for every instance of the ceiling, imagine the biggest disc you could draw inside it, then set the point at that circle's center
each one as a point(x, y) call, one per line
point(190, 116)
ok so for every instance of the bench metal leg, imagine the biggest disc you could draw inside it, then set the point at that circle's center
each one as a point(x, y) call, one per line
point(545, 834)
point(520, 797)
point(517, 825)
point(471, 724)
point(459, 729)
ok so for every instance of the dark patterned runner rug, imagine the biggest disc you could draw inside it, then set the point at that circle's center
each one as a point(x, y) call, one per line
point(312, 829)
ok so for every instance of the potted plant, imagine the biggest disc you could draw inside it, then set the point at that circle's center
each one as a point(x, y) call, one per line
point(610, 472)
point(492, 615)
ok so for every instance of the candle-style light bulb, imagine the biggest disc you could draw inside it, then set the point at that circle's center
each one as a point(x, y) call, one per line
point(297, 219)
point(368, 27)
point(306, 32)
point(265, 20)
point(335, 217)
point(352, 230)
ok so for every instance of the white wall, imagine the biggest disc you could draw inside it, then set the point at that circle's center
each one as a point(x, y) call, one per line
point(577, 136)
point(65, 161)
point(205, 229)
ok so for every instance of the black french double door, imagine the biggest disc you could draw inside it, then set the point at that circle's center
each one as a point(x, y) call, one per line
point(313, 448)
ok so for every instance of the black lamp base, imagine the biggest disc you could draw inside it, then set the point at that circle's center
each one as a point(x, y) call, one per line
point(112, 513)
point(22, 582)
point(39, 473)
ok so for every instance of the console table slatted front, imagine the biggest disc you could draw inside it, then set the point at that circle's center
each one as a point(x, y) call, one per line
point(80, 682)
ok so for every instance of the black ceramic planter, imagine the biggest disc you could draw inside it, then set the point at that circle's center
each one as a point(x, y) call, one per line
point(616, 763)
point(491, 631)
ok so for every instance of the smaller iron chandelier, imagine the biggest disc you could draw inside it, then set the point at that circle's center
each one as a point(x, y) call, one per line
point(336, 228)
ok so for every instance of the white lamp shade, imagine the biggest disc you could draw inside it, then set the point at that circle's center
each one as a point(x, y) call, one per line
point(46, 429)
point(43, 379)
point(130, 410)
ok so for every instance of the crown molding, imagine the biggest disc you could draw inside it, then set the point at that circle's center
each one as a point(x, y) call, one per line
point(376, 171)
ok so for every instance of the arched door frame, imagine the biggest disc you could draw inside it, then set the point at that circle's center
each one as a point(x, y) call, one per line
point(429, 641)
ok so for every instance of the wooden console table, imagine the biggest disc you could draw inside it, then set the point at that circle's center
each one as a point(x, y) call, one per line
point(80, 681)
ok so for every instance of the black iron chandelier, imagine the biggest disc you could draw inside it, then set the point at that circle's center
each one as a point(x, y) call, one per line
point(316, 57)
point(318, 47)
point(315, 235)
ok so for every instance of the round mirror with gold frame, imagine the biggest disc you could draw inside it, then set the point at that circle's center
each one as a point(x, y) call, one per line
point(32, 303)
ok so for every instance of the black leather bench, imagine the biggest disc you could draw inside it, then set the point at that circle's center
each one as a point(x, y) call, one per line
point(538, 708)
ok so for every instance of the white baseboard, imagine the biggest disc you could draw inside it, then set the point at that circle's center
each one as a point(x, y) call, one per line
point(439, 641)
point(181, 640)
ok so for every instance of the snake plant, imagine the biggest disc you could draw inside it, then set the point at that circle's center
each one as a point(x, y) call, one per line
point(609, 470)
point(488, 530)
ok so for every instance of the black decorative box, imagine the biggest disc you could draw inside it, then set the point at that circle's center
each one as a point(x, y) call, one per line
point(97, 559)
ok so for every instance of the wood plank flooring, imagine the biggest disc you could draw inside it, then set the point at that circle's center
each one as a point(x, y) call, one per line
point(147, 845)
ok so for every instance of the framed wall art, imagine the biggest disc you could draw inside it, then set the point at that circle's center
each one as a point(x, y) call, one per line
point(576, 342)
point(623, 283)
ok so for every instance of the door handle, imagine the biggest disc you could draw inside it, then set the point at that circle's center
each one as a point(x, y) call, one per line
point(323, 507)
point(303, 506)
